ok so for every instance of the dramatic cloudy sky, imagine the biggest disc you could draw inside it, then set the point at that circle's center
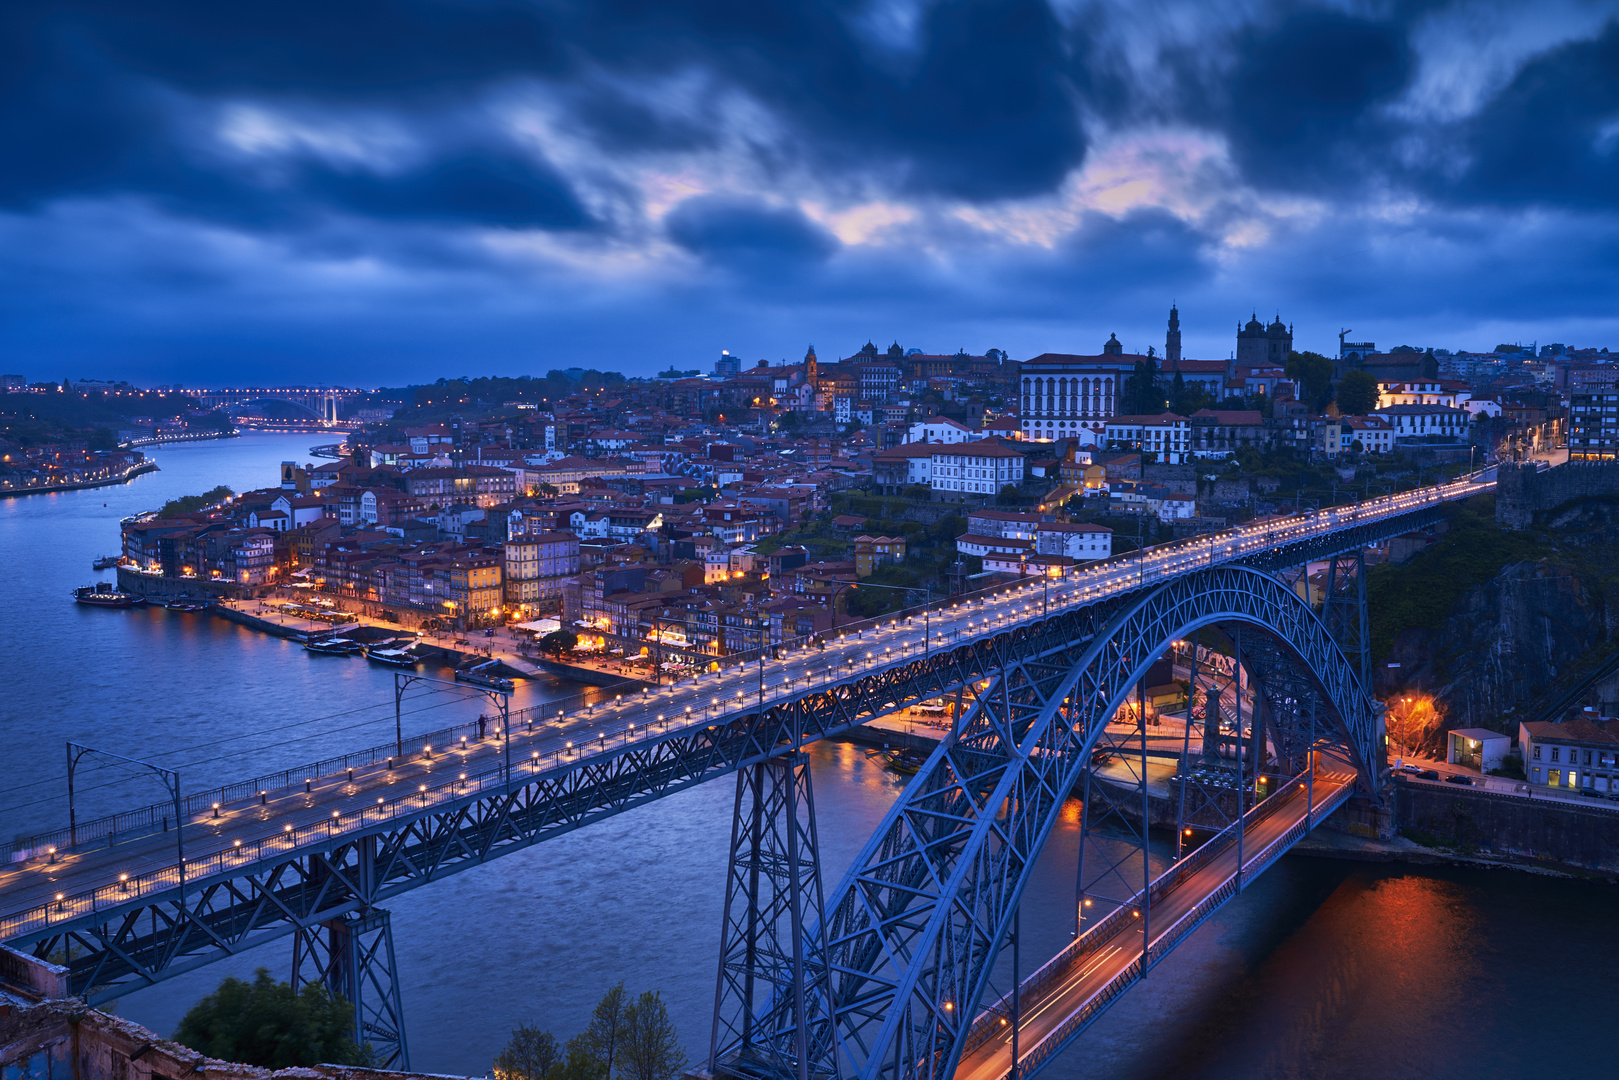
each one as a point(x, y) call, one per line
point(371, 191)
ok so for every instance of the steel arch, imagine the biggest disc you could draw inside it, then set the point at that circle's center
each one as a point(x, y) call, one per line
point(915, 926)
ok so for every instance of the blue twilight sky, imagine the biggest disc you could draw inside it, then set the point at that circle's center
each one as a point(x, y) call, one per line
point(376, 191)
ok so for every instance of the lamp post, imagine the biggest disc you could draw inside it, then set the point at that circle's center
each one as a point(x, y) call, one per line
point(926, 590)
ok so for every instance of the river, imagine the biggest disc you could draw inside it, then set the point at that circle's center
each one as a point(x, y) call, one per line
point(1321, 969)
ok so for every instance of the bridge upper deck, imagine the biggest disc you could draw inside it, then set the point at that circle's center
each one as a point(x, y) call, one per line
point(88, 883)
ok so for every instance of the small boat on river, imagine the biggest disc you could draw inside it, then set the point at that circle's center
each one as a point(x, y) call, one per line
point(391, 657)
point(106, 562)
point(483, 675)
point(102, 594)
point(332, 646)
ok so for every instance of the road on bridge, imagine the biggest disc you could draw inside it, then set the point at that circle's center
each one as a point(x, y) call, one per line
point(1096, 965)
point(48, 889)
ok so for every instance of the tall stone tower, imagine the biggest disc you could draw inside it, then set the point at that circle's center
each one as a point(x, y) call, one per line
point(811, 374)
point(1172, 341)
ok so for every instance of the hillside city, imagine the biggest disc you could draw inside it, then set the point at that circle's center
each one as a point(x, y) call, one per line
point(756, 498)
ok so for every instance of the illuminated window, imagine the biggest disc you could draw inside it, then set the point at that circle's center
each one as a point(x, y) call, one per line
point(1537, 753)
point(1554, 777)
point(1572, 778)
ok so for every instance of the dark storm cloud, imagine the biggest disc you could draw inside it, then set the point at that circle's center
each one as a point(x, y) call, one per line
point(1551, 137)
point(396, 139)
point(984, 107)
point(1305, 95)
point(722, 228)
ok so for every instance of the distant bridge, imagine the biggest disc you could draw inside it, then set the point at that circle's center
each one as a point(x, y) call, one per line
point(325, 402)
point(886, 976)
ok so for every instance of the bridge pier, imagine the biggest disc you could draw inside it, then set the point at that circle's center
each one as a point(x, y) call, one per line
point(353, 956)
point(772, 897)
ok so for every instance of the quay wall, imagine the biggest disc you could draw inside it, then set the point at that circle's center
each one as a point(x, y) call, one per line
point(1540, 831)
point(159, 588)
point(60, 1038)
point(84, 485)
point(1522, 491)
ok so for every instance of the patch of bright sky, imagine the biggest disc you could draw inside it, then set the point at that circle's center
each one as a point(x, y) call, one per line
point(257, 130)
point(1469, 50)
point(893, 24)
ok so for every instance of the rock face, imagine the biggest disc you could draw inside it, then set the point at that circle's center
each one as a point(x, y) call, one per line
point(1507, 644)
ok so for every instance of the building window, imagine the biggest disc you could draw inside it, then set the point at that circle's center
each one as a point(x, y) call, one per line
point(1554, 777)
point(1537, 753)
point(1557, 754)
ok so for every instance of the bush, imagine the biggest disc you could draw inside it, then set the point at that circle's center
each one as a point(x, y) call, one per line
point(268, 1023)
point(190, 504)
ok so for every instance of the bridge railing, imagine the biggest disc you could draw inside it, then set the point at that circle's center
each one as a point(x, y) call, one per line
point(1166, 941)
point(155, 817)
point(1095, 936)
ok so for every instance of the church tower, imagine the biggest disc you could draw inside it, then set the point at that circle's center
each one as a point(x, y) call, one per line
point(811, 375)
point(1172, 341)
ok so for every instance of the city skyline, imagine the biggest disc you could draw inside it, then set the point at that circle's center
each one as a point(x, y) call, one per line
point(426, 190)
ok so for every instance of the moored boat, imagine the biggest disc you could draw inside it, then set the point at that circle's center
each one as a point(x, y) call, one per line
point(106, 562)
point(332, 646)
point(102, 594)
point(391, 657)
point(480, 675)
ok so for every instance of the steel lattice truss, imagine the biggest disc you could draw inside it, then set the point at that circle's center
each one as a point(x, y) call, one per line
point(914, 928)
point(153, 937)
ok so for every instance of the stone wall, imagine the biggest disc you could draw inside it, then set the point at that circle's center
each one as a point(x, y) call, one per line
point(67, 1040)
point(1542, 830)
point(1522, 491)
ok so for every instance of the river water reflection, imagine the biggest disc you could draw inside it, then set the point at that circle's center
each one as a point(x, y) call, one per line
point(1322, 969)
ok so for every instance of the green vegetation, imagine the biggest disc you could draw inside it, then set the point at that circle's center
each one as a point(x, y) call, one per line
point(190, 504)
point(559, 641)
point(268, 1023)
point(1313, 374)
point(626, 1040)
point(1143, 391)
point(1421, 592)
point(1357, 394)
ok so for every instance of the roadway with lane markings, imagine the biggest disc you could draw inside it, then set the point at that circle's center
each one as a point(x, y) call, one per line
point(60, 887)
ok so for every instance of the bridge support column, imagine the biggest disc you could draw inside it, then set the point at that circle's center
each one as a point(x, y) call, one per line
point(353, 956)
point(1344, 612)
point(772, 897)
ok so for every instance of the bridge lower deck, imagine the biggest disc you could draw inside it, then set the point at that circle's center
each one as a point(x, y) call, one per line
point(1075, 989)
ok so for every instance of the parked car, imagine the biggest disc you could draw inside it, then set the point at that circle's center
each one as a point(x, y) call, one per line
point(1410, 768)
point(1427, 774)
point(1459, 778)
point(1592, 793)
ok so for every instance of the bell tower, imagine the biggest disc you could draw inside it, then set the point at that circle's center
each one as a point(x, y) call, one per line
point(1172, 341)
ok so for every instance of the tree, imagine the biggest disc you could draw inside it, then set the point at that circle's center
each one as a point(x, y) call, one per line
point(601, 1040)
point(559, 641)
point(1143, 391)
point(531, 1054)
point(1357, 394)
point(268, 1023)
point(1009, 496)
point(548, 489)
point(651, 1047)
point(1313, 374)
point(103, 439)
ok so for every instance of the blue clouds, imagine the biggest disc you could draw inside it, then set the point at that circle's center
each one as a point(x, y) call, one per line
point(445, 183)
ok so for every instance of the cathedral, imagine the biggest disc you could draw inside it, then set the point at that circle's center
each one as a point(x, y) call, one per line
point(1258, 344)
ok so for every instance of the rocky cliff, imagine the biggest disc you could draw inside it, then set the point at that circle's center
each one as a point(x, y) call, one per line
point(1489, 628)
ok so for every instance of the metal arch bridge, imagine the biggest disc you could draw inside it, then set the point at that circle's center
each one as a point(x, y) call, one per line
point(886, 979)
